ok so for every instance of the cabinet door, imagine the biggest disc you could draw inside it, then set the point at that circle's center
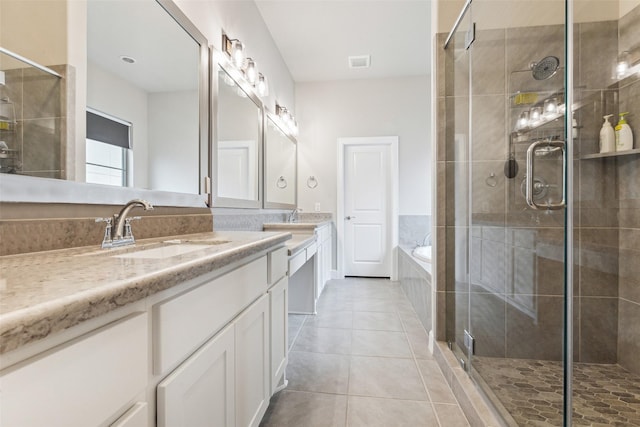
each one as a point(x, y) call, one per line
point(82, 383)
point(200, 392)
point(252, 363)
point(279, 308)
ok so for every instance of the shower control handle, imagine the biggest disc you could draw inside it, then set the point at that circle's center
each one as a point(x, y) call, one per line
point(349, 218)
point(530, 189)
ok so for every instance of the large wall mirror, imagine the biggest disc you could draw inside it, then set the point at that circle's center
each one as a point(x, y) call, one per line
point(147, 101)
point(279, 167)
point(238, 142)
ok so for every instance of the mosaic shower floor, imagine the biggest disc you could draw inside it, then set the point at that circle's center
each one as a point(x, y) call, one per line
point(531, 392)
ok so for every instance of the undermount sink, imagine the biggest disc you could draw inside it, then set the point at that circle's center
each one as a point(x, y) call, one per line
point(157, 250)
point(163, 251)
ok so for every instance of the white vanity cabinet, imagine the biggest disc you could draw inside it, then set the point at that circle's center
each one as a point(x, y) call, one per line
point(206, 352)
point(201, 391)
point(252, 364)
point(323, 257)
point(227, 381)
point(85, 382)
point(278, 310)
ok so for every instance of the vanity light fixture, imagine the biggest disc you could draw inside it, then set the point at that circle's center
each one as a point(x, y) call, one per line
point(287, 119)
point(246, 66)
point(627, 63)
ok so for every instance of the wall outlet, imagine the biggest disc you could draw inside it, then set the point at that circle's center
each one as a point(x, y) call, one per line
point(317, 207)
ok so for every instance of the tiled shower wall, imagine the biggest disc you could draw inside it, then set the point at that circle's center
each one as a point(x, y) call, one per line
point(628, 176)
point(42, 103)
point(517, 253)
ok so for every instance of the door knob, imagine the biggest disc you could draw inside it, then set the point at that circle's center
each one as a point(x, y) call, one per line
point(350, 218)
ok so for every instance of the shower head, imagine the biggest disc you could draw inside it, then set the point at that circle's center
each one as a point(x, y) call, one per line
point(545, 68)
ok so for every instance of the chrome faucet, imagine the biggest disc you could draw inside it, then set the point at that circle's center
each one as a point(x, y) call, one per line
point(292, 216)
point(119, 234)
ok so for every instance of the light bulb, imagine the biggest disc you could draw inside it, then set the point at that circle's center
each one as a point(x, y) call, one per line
point(251, 71)
point(536, 114)
point(237, 53)
point(523, 120)
point(261, 85)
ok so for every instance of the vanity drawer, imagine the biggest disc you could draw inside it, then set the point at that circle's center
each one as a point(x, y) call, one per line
point(188, 320)
point(296, 262)
point(277, 264)
point(82, 383)
point(311, 250)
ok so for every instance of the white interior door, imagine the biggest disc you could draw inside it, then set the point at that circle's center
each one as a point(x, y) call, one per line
point(367, 210)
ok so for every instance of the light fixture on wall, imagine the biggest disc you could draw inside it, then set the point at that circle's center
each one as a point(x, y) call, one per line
point(247, 67)
point(235, 49)
point(288, 121)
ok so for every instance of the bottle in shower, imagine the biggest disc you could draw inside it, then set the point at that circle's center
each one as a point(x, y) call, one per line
point(624, 136)
point(607, 136)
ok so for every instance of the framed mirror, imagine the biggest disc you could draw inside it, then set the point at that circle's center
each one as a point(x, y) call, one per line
point(148, 76)
point(280, 166)
point(238, 142)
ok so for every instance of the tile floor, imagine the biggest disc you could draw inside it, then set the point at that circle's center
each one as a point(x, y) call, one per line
point(362, 361)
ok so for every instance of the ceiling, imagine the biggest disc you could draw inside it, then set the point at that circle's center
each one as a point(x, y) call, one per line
point(316, 37)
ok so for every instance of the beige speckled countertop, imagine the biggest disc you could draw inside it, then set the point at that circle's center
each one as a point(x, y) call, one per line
point(298, 242)
point(46, 292)
point(295, 227)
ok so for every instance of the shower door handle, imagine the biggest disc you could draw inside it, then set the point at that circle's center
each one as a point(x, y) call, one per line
point(529, 194)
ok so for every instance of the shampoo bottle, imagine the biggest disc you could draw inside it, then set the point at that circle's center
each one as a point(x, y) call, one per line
point(607, 136)
point(624, 137)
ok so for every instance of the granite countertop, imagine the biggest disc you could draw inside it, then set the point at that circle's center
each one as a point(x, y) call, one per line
point(298, 242)
point(46, 292)
point(295, 227)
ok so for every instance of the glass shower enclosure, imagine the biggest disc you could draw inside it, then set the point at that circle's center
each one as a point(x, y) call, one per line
point(542, 226)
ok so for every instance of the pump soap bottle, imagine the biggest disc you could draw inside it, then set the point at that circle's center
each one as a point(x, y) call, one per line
point(607, 136)
point(624, 136)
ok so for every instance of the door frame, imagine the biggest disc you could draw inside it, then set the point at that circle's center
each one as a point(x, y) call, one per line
point(343, 143)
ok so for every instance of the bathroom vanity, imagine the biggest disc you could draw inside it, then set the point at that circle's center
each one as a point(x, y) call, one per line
point(310, 257)
point(189, 331)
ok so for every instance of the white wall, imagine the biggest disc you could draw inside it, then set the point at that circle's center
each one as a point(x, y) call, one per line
point(110, 94)
point(242, 20)
point(172, 131)
point(355, 108)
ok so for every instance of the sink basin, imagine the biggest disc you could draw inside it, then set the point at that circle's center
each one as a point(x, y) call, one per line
point(423, 253)
point(162, 252)
point(156, 250)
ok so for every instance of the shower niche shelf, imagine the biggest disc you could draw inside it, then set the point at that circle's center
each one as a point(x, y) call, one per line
point(611, 154)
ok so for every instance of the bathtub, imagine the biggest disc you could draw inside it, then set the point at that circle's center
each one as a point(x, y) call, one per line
point(423, 253)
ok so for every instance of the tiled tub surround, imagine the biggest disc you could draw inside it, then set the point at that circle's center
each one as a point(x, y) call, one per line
point(26, 227)
point(412, 229)
point(415, 281)
point(47, 292)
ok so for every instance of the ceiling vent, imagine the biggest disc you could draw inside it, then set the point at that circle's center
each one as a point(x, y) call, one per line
point(361, 61)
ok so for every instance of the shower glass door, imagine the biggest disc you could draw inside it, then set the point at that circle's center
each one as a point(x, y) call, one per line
point(606, 81)
point(517, 213)
point(454, 105)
